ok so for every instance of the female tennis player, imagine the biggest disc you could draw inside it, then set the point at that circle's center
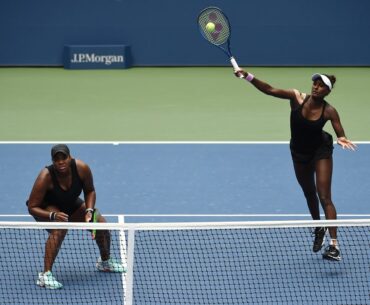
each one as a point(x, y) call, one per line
point(55, 197)
point(312, 148)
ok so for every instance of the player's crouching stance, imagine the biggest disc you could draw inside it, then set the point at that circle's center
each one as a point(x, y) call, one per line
point(55, 197)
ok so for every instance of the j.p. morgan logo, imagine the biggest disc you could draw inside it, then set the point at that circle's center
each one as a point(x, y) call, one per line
point(93, 58)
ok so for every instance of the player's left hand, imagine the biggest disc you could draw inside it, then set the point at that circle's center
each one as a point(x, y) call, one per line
point(346, 144)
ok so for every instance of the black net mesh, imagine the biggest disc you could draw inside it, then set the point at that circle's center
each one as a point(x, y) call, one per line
point(196, 266)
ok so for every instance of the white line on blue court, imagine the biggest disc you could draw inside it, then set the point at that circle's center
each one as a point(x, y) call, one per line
point(155, 142)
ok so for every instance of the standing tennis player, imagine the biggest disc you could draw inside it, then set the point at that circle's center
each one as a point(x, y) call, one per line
point(55, 197)
point(312, 148)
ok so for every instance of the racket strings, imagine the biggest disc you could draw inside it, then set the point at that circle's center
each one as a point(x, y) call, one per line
point(221, 33)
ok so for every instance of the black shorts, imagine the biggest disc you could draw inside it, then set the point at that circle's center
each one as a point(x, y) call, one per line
point(324, 151)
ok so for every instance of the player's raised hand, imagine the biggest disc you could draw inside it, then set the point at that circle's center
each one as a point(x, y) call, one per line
point(240, 74)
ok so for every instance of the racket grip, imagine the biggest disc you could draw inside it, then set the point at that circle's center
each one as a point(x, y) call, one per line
point(234, 63)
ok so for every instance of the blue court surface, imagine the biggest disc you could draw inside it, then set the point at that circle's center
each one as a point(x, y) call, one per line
point(151, 182)
point(189, 178)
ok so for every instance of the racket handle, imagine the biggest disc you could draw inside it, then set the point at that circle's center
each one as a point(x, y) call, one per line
point(235, 65)
point(93, 220)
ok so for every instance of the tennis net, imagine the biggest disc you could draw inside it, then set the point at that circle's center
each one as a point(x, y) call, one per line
point(189, 264)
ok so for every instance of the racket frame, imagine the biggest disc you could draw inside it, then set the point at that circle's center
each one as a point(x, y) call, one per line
point(225, 47)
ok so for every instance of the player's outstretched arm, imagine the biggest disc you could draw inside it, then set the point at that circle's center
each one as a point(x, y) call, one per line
point(265, 87)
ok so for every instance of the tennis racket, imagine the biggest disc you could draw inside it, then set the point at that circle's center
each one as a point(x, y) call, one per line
point(94, 219)
point(215, 28)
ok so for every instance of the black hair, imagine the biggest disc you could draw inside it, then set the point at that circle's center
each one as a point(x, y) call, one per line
point(332, 78)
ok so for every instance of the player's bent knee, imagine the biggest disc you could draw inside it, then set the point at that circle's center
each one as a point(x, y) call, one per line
point(100, 217)
point(58, 233)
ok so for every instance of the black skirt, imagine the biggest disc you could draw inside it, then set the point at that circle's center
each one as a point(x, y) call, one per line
point(324, 151)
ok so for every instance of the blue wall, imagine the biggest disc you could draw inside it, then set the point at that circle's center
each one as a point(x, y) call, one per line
point(164, 32)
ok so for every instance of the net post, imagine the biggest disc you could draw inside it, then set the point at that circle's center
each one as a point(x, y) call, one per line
point(130, 265)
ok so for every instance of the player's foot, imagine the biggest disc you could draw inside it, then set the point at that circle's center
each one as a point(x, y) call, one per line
point(319, 239)
point(47, 280)
point(332, 253)
point(110, 265)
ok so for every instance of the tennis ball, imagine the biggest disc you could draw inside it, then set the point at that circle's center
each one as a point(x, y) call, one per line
point(210, 27)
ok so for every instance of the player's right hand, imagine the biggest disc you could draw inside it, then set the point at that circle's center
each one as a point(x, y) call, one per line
point(60, 216)
point(240, 74)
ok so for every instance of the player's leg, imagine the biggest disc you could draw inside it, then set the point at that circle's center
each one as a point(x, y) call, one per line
point(103, 240)
point(102, 236)
point(52, 246)
point(324, 171)
point(305, 174)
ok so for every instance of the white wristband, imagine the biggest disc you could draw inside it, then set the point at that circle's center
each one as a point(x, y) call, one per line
point(249, 77)
point(89, 210)
point(52, 216)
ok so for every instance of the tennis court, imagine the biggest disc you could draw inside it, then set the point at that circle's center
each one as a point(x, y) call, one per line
point(188, 178)
point(187, 182)
point(177, 152)
point(191, 165)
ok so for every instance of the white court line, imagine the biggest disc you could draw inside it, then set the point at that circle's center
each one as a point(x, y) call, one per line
point(145, 142)
point(155, 142)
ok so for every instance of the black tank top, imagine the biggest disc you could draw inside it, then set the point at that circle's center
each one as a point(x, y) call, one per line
point(306, 135)
point(64, 199)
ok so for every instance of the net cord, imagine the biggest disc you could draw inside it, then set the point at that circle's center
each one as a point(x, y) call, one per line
point(186, 225)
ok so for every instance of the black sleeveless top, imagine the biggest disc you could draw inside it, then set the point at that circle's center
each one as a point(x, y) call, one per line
point(65, 200)
point(306, 135)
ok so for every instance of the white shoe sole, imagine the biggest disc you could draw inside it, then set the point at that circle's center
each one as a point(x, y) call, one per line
point(39, 283)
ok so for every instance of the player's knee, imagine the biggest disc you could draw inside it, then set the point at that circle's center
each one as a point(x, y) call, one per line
point(325, 200)
point(58, 234)
point(100, 217)
point(103, 233)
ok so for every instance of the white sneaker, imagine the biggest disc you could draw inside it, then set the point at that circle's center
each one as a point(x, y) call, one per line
point(110, 265)
point(47, 280)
